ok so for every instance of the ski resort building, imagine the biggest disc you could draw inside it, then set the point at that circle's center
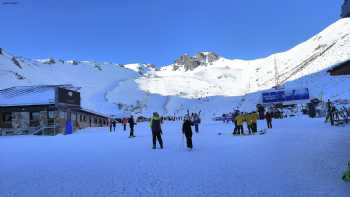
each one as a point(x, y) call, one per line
point(346, 9)
point(340, 69)
point(45, 110)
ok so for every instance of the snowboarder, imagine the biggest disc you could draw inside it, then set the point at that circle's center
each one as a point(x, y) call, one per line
point(156, 128)
point(268, 118)
point(131, 125)
point(125, 121)
point(187, 131)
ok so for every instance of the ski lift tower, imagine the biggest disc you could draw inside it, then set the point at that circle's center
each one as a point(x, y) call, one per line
point(277, 77)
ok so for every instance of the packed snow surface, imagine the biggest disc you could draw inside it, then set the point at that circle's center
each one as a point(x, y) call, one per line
point(299, 157)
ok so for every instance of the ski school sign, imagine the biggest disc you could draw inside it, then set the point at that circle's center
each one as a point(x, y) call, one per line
point(280, 96)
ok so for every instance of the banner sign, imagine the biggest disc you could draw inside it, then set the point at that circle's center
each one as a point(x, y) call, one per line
point(279, 96)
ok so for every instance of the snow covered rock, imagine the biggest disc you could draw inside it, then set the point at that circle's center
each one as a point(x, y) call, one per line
point(191, 63)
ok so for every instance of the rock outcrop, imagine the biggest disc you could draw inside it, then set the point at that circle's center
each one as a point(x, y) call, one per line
point(190, 63)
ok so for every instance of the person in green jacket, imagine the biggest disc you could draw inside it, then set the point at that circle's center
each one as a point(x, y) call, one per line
point(156, 128)
point(346, 176)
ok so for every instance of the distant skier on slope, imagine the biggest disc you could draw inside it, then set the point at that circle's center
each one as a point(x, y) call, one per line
point(187, 131)
point(131, 125)
point(268, 117)
point(156, 128)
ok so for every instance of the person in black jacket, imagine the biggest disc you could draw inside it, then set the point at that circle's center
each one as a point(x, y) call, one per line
point(268, 117)
point(131, 124)
point(156, 128)
point(187, 131)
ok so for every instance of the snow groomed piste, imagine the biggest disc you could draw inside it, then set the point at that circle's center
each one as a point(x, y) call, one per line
point(298, 157)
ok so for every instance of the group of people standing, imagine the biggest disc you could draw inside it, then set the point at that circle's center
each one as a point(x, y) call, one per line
point(249, 118)
point(124, 121)
point(189, 121)
point(156, 128)
point(239, 118)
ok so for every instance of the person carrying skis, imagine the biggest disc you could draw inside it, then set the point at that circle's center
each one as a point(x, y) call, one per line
point(156, 128)
point(187, 131)
point(131, 125)
point(240, 119)
point(268, 117)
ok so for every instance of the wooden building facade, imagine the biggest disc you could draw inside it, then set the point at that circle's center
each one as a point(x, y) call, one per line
point(44, 110)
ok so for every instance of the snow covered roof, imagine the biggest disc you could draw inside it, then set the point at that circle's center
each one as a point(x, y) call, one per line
point(29, 95)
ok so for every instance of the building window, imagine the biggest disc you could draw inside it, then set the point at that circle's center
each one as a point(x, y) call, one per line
point(7, 119)
point(80, 118)
point(51, 117)
point(95, 120)
point(34, 119)
point(63, 115)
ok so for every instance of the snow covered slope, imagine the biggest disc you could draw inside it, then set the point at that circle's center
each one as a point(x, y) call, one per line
point(205, 82)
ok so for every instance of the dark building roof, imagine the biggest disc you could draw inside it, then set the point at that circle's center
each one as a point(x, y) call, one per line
point(341, 69)
point(31, 95)
point(345, 12)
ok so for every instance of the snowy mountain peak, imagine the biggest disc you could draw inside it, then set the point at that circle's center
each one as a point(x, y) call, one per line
point(205, 81)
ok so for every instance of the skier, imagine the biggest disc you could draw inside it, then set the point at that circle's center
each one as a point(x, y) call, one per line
point(248, 120)
point(268, 118)
point(254, 118)
point(240, 119)
point(235, 131)
point(125, 121)
point(131, 125)
point(114, 124)
point(110, 125)
point(196, 122)
point(330, 112)
point(187, 131)
point(155, 125)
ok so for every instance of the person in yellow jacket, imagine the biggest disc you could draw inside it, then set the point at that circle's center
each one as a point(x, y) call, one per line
point(254, 118)
point(248, 119)
point(240, 119)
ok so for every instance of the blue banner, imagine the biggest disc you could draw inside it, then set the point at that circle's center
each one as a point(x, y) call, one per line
point(285, 95)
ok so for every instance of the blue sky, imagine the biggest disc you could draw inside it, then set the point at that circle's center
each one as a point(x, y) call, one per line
point(158, 31)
